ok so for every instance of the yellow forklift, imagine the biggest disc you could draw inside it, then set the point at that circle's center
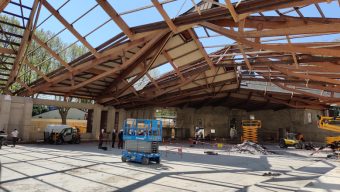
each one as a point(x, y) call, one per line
point(292, 140)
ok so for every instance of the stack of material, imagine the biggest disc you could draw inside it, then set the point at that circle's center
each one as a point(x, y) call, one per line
point(250, 147)
point(250, 130)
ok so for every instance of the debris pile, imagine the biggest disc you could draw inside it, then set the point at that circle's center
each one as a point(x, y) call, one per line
point(251, 148)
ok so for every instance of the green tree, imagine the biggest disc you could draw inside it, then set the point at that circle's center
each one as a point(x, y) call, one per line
point(35, 55)
point(63, 111)
point(39, 109)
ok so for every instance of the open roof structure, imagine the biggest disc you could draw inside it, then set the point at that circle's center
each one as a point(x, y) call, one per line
point(248, 54)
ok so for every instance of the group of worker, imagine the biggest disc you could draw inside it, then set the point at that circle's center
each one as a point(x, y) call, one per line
point(14, 135)
point(113, 135)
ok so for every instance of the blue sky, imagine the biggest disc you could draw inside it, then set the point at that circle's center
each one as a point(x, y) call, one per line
point(97, 17)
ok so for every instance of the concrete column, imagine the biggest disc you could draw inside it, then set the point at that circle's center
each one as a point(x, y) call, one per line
point(28, 134)
point(97, 112)
point(122, 117)
point(110, 118)
point(5, 109)
point(151, 113)
point(146, 114)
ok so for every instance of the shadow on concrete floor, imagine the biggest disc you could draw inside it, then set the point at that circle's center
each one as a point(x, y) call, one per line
point(238, 164)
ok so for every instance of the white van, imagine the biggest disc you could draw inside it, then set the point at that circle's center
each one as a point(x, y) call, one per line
point(56, 128)
point(59, 134)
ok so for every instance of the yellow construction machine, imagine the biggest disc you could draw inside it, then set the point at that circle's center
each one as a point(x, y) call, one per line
point(292, 140)
point(330, 124)
point(250, 130)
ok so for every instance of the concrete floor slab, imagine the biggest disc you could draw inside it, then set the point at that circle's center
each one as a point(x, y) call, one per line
point(86, 168)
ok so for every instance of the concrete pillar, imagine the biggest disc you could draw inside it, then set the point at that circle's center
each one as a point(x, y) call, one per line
point(5, 109)
point(122, 117)
point(97, 112)
point(28, 134)
point(110, 118)
point(151, 113)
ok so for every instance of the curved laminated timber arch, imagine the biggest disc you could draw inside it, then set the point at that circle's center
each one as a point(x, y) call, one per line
point(271, 61)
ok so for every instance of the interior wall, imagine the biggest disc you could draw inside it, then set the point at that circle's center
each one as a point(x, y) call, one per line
point(294, 120)
point(16, 113)
point(187, 118)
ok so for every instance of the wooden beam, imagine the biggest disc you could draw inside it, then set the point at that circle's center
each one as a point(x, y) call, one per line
point(41, 74)
point(279, 48)
point(303, 76)
point(130, 88)
point(23, 46)
point(108, 54)
point(134, 58)
point(68, 26)
point(153, 81)
point(304, 29)
point(187, 81)
point(50, 51)
point(123, 75)
point(168, 57)
point(237, 17)
point(23, 85)
point(274, 22)
point(202, 50)
point(196, 7)
point(293, 3)
point(3, 4)
point(293, 53)
point(6, 51)
point(317, 107)
point(165, 16)
point(328, 88)
point(320, 97)
point(160, 46)
point(245, 58)
point(8, 38)
point(63, 104)
point(115, 17)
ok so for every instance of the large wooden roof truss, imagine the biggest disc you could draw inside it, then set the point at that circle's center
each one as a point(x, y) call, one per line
point(271, 62)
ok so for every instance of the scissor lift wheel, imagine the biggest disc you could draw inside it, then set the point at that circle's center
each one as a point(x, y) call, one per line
point(145, 161)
